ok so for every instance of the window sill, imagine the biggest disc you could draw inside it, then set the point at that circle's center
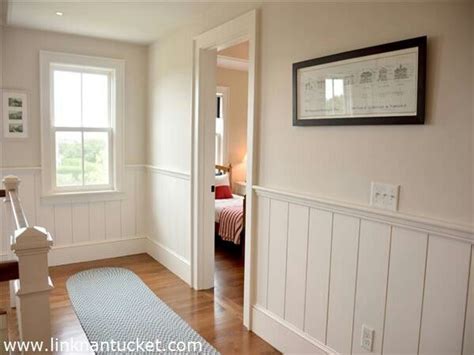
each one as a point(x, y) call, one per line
point(83, 196)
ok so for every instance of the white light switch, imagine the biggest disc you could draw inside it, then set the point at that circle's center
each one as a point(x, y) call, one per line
point(384, 196)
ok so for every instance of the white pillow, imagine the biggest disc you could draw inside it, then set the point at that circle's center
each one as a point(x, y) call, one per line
point(222, 180)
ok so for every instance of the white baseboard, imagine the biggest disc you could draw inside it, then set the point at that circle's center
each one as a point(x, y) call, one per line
point(283, 335)
point(76, 253)
point(104, 249)
point(168, 258)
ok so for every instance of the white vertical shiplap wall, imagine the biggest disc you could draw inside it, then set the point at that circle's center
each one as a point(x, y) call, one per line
point(78, 223)
point(169, 215)
point(469, 331)
point(322, 273)
point(317, 281)
point(405, 291)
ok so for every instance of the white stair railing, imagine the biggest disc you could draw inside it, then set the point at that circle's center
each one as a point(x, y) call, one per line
point(31, 245)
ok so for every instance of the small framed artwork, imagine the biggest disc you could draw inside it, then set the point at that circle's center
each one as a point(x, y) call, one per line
point(15, 114)
point(378, 85)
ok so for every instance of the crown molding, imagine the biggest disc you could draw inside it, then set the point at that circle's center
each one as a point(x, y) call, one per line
point(232, 63)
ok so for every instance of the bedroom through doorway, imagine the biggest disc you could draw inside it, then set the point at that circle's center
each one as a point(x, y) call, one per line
point(230, 174)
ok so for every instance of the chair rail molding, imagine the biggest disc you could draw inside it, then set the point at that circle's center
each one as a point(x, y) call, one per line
point(168, 172)
point(423, 224)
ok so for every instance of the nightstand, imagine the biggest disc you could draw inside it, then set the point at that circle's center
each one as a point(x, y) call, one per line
point(239, 188)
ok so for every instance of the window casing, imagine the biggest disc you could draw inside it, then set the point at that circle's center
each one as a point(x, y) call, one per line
point(81, 124)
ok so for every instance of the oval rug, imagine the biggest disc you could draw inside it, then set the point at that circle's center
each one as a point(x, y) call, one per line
point(114, 304)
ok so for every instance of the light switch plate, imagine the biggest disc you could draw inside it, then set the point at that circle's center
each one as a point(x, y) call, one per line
point(367, 338)
point(384, 196)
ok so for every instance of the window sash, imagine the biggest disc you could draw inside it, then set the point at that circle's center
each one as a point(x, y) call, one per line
point(219, 150)
point(83, 129)
point(221, 134)
point(82, 70)
point(83, 187)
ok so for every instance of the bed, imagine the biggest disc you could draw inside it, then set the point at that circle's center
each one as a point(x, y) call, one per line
point(229, 212)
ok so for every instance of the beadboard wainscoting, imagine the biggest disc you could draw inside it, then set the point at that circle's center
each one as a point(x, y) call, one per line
point(324, 269)
point(169, 218)
point(89, 229)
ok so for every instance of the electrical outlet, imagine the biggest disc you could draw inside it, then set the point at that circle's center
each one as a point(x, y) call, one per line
point(367, 338)
point(384, 196)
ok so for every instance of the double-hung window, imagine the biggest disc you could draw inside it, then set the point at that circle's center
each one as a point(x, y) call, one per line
point(81, 108)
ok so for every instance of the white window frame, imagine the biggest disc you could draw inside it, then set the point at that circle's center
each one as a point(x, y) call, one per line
point(225, 93)
point(115, 69)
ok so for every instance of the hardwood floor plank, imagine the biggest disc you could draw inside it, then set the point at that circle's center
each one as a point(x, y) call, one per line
point(215, 314)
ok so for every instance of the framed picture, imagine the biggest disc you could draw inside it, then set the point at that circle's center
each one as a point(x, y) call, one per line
point(15, 114)
point(384, 84)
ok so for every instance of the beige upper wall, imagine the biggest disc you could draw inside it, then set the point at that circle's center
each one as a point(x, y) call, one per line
point(237, 82)
point(432, 162)
point(21, 71)
point(170, 91)
point(472, 101)
point(170, 100)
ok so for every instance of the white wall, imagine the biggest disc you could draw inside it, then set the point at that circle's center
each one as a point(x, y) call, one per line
point(90, 228)
point(21, 71)
point(87, 230)
point(433, 163)
point(169, 130)
point(169, 151)
point(324, 270)
point(409, 286)
point(237, 82)
point(169, 133)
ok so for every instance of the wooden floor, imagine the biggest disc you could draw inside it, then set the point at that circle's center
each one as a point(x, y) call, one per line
point(229, 277)
point(217, 317)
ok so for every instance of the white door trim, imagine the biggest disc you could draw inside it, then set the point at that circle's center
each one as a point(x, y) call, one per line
point(233, 32)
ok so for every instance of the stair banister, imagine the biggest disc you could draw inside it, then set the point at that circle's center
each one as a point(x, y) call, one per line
point(31, 245)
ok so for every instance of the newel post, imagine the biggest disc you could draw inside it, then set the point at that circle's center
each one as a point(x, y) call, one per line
point(31, 245)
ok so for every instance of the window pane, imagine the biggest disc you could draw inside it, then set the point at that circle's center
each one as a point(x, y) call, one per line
point(220, 126)
point(95, 104)
point(96, 158)
point(67, 98)
point(68, 159)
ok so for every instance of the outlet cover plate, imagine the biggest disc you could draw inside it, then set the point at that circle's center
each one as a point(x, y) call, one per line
point(367, 338)
point(384, 196)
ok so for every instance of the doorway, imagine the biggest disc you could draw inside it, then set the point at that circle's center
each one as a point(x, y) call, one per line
point(207, 46)
point(230, 180)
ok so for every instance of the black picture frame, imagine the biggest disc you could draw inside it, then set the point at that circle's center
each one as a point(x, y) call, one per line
point(419, 118)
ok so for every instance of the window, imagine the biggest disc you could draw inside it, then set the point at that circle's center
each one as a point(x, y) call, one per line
point(81, 123)
point(219, 130)
point(220, 137)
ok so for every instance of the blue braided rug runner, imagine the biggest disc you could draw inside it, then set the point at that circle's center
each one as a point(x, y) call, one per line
point(113, 304)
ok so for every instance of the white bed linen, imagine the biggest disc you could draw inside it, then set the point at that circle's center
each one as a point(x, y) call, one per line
point(227, 202)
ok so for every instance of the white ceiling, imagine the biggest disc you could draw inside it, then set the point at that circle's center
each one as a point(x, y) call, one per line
point(126, 20)
point(140, 21)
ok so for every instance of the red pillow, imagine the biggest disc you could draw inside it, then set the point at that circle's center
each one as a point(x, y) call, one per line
point(223, 192)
